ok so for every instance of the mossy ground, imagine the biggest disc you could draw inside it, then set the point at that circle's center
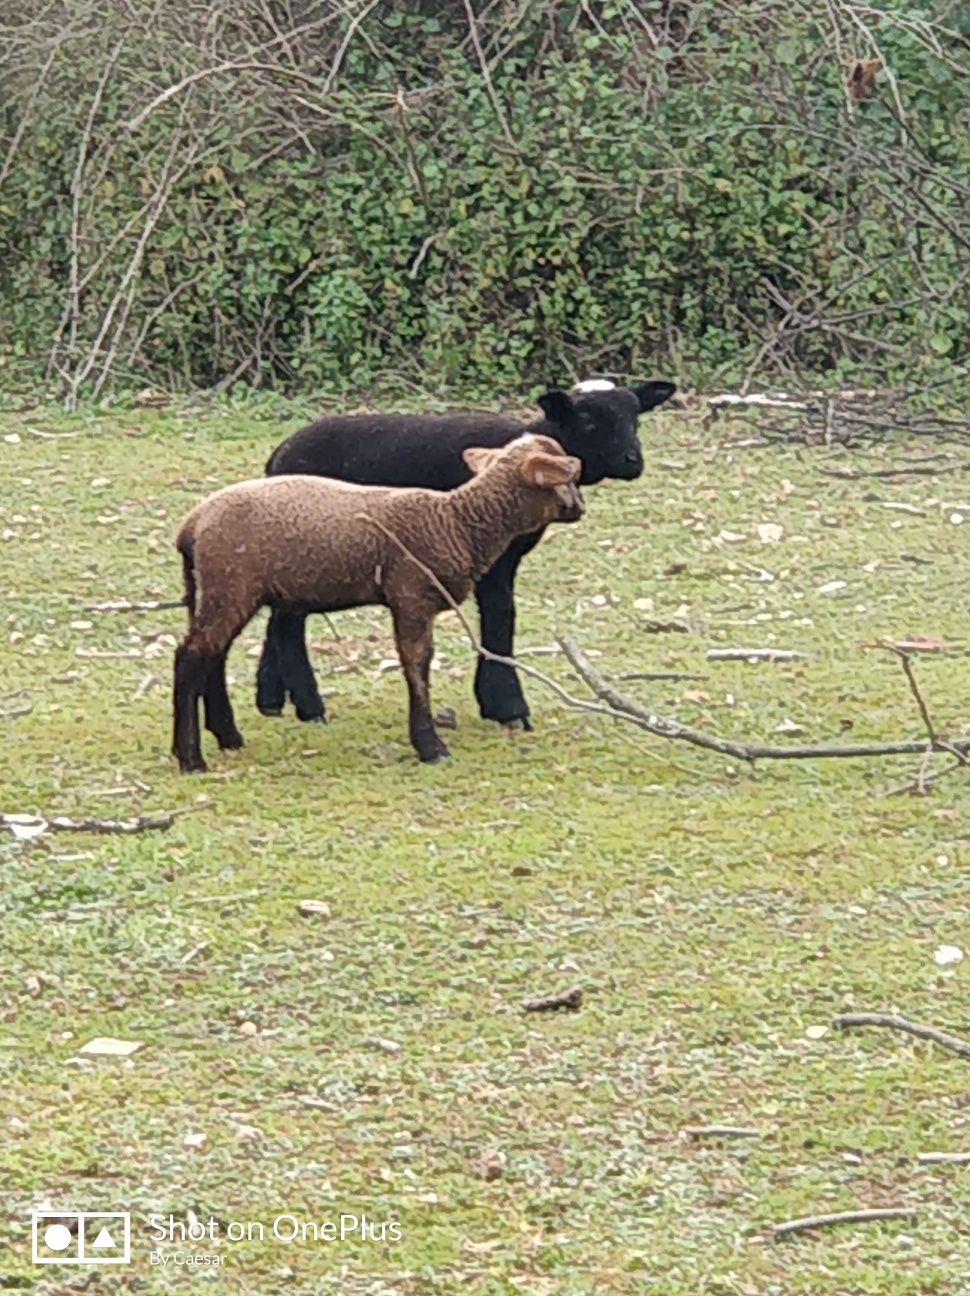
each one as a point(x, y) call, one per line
point(712, 915)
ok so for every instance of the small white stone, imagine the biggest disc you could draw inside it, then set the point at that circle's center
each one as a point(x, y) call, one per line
point(769, 532)
point(104, 1046)
point(956, 518)
point(314, 908)
point(381, 1044)
point(947, 954)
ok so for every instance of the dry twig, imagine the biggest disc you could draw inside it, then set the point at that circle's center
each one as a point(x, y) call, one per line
point(808, 1222)
point(721, 1131)
point(570, 999)
point(122, 605)
point(665, 727)
point(60, 823)
point(895, 1022)
point(756, 655)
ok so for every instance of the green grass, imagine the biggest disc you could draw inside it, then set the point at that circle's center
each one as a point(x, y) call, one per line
point(711, 914)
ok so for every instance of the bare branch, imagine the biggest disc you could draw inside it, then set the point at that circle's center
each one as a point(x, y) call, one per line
point(34, 825)
point(809, 1222)
point(893, 1022)
point(664, 727)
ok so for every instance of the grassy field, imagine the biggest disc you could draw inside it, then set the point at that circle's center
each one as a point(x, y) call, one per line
point(375, 1060)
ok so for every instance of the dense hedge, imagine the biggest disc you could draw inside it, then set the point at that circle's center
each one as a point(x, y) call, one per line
point(396, 195)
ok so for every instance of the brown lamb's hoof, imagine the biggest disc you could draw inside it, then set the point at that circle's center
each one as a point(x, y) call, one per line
point(522, 724)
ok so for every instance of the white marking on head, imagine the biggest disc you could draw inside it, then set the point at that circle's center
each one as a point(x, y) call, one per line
point(594, 385)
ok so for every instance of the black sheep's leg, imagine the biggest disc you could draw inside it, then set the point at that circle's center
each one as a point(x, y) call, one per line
point(296, 670)
point(219, 719)
point(497, 686)
point(270, 685)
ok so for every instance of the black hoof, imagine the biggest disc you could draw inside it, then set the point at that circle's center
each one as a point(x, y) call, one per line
point(435, 757)
point(271, 711)
point(230, 742)
point(315, 717)
point(193, 767)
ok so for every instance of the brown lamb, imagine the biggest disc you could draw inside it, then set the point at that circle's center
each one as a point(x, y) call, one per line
point(312, 544)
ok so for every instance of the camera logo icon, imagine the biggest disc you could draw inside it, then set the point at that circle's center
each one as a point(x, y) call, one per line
point(81, 1237)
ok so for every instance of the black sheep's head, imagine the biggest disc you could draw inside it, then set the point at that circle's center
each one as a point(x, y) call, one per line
point(597, 422)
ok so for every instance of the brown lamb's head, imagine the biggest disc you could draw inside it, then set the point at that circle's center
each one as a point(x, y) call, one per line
point(539, 471)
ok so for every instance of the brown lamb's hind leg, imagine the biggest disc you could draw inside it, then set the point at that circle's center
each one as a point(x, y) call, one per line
point(415, 646)
point(200, 672)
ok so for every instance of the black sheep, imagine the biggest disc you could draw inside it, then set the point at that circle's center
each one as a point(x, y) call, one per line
point(597, 426)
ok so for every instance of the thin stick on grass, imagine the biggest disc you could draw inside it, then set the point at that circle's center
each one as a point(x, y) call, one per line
point(809, 1222)
point(61, 823)
point(570, 999)
point(123, 605)
point(721, 1131)
point(894, 1022)
point(665, 727)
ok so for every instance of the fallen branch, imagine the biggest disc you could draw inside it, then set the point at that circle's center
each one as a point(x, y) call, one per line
point(618, 706)
point(756, 654)
point(911, 470)
point(664, 727)
point(664, 627)
point(846, 1020)
point(780, 401)
point(122, 605)
point(721, 1131)
point(14, 713)
point(843, 1217)
point(658, 675)
point(568, 999)
point(34, 825)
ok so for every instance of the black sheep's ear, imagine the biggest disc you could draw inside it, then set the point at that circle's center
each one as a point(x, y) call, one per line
point(558, 407)
point(652, 394)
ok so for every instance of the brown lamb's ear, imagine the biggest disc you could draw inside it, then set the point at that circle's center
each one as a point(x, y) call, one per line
point(546, 470)
point(478, 458)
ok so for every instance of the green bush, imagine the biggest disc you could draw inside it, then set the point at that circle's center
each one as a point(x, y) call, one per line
point(633, 188)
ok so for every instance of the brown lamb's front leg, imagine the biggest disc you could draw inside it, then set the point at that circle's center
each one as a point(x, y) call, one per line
point(415, 647)
point(219, 719)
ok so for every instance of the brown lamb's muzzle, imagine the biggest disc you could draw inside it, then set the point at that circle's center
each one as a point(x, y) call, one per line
point(549, 467)
point(571, 503)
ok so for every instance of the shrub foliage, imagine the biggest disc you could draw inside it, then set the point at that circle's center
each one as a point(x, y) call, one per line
point(456, 196)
